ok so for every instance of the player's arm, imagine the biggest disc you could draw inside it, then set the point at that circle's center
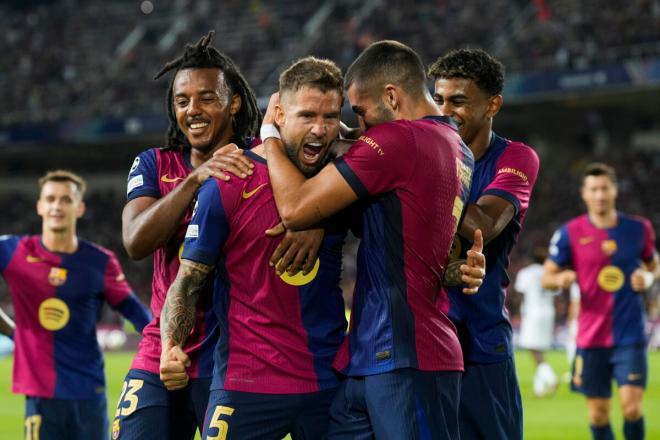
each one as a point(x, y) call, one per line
point(490, 213)
point(149, 222)
point(554, 277)
point(7, 326)
point(470, 271)
point(177, 320)
point(305, 202)
point(132, 309)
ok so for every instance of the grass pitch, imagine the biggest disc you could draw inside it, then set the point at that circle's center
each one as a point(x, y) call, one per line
point(562, 415)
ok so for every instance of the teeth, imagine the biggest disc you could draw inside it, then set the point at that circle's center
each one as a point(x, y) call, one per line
point(314, 144)
point(199, 125)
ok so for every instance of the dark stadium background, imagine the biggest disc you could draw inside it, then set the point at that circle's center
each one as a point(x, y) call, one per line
point(583, 84)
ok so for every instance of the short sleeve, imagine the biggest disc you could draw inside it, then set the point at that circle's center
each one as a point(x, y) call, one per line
point(208, 228)
point(116, 288)
point(379, 161)
point(8, 245)
point(648, 248)
point(560, 248)
point(515, 175)
point(143, 177)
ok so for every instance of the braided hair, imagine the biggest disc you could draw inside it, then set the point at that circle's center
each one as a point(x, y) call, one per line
point(202, 55)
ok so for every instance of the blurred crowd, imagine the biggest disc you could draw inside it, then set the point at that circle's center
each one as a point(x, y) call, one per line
point(72, 59)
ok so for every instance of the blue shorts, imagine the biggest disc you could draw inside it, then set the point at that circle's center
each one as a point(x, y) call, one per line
point(594, 368)
point(235, 415)
point(402, 404)
point(146, 410)
point(56, 419)
point(491, 406)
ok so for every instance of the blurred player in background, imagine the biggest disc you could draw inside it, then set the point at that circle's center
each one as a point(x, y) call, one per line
point(614, 259)
point(468, 89)
point(537, 328)
point(58, 284)
point(402, 355)
point(209, 105)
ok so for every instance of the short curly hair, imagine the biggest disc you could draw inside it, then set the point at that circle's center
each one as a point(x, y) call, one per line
point(474, 64)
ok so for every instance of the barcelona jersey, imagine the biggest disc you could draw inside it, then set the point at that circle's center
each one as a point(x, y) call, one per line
point(414, 177)
point(155, 173)
point(507, 170)
point(57, 300)
point(279, 334)
point(611, 313)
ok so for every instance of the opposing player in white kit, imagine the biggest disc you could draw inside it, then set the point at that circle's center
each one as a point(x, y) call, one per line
point(538, 322)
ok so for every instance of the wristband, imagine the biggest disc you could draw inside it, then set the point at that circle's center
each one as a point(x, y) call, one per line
point(269, 131)
point(648, 279)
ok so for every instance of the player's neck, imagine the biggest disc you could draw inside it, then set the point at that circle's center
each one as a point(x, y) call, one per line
point(259, 150)
point(481, 142)
point(65, 242)
point(604, 220)
point(198, 157)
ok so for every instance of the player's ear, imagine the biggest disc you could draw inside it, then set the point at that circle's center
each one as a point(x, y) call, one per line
point(235, 104)
point(391, 96)
point(280, 116)
point(81, 209)
point(40, 207)
point(494, 105)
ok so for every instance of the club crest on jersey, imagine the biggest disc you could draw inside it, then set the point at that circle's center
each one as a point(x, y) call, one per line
point(53, 314)
point(57, 276)
point(608, 247)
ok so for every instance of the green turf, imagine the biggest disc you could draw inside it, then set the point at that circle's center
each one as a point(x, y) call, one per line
point(560, 416)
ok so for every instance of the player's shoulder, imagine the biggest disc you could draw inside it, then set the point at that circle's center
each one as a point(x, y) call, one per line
point(518, 149)
point(634, 219)
point(12, 240)
point(88, 248)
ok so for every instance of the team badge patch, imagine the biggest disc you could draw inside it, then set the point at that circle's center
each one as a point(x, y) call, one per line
point(611, 278)
point(57, 276)
point(53, 314)
point(115, 429)
point(608, 247)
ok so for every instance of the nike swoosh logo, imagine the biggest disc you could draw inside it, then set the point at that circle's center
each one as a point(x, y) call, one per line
point(165, 178)
point(31, 259)
point(586, 240)
point(247, 195)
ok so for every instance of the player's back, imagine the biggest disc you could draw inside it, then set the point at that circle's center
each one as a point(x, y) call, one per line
point(414, 205)
point(155, 173)
point(279, 334)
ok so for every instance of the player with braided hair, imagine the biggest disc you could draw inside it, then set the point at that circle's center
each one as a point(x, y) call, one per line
point(213, 114)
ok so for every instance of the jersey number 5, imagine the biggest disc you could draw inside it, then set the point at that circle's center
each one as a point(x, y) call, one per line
point(222, 425)
point(129, 396)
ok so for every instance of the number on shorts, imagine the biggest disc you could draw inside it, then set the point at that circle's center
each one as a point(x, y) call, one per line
point(128, 395)
point(222, 425)
point(579, 366)
point(32, 425)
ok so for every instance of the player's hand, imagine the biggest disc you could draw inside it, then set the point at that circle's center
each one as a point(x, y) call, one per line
point(298, 250)
point(639, 282)
point(271, 111)
point(173, 363)
point(226, 160)
point(474, 269)
point(565, 278)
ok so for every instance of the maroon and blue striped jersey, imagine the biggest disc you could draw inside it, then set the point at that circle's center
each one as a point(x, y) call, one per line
point(414, 177)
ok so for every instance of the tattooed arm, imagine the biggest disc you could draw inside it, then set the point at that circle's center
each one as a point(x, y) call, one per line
point(470, 271)
point(177, 320)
